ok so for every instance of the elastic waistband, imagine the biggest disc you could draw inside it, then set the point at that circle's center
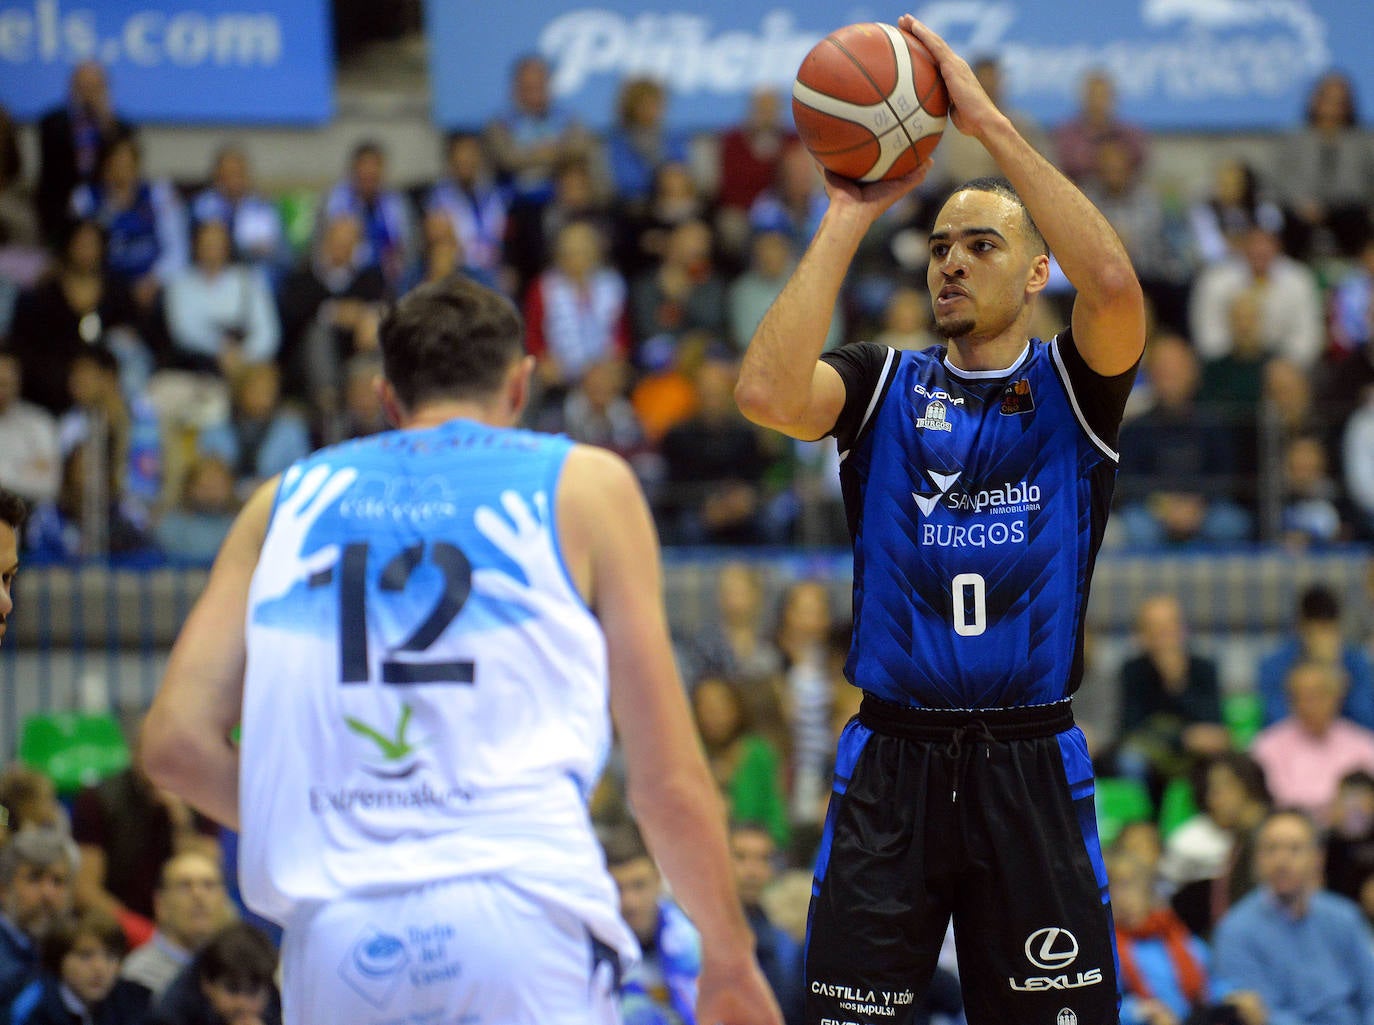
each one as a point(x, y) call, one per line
point(1026, 722)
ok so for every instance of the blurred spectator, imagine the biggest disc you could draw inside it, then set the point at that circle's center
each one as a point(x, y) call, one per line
point(639, 142)
point(1291, 305)
point(661, 989)
point(1352, 307)
point(329, 310)
point(79, 306)
point(71, 138)
point(220, 314)
point(746, 164)
point(80, 984)
point(595, 411)
point(1177, 459)
point(18, 215)
point(388, 236)
point(749, 295)
point(1233, 383)
point(263, 436)
point(475, 205)
point(1317, 636)
point(36, 869)
point(1288, 400)
point(1306, 754)
point(124, 434)
point(1357, 464)
point(1165, 977)
point(803, 637)
point(780, 956)
point(1311, 510)
point(1077, 140)
point(1097, 701)
point(85, 521)
point(733, 641)
point(960, 158)
point(30, 463)
point(746, 767)
point(144, 223)
point(126, 831)
point(1350, 844)
point(253, 222)
point(441, 253)
point(715, 464)
point(1171, 699)
point(361, 412)
point(1136, 211)
point(190, 905)
point(643, 232)
point(1304, 950)
point(795, 202)
point(906, 320)
point(1328, 173)
point(684, 294)
point(1208, 859)
point(533, 135)
point(193, 528)
point(231, 981)
point(534, 229)
point(29, 800)
point(1220, 219)
point(575, 312)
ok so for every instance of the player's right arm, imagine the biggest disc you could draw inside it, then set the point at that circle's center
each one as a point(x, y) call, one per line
point(609, 542)
point(782, 383)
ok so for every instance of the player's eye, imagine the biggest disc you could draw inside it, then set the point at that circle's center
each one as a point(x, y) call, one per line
point(939, 249)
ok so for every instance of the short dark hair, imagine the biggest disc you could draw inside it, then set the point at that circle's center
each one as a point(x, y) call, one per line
point(366, 148)
point(239, 956)
point(623, 845)
point(13, 509)
point(68, 929)
point(1001, 187)
point(1318, 603)
point(450, 339)
point(1245, 769)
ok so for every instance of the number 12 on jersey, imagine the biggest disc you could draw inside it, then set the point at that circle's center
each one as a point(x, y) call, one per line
point(351, 574)
point(970, 595)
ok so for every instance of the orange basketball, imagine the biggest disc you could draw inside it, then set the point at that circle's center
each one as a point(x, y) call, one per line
point(869, 102)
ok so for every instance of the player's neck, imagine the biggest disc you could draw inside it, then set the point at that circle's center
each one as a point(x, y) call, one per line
point(432, 414)
point(982, 354)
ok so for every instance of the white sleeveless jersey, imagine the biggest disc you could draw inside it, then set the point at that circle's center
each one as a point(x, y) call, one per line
point(426, 693)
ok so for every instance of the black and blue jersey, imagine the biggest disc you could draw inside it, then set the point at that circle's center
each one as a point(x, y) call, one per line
point(976, 503)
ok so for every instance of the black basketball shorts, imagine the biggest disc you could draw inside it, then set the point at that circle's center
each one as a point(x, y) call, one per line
point(985, 816)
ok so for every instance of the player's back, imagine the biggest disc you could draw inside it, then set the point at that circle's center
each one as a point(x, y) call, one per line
point(425, 692)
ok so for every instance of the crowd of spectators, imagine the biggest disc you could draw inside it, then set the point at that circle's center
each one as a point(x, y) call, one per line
point(642, 261)
point(169, 345)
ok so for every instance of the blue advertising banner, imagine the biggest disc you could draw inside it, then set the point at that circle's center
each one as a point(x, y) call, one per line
point(1215, 65)
point(245, 61)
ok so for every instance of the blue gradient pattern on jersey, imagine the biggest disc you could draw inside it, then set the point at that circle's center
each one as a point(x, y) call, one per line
point(978, 504)
point(406, 491)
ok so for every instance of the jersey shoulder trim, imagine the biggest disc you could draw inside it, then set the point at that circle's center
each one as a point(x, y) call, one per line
point(1067, 381)
point(879, 390)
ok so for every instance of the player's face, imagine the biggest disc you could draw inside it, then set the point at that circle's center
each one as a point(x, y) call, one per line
point(981, 266)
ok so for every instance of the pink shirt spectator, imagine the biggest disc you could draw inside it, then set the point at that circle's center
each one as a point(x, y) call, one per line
point(1303, 769)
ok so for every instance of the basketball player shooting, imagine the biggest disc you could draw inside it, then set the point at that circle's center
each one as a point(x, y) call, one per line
point(421, 633)
point(977, 477)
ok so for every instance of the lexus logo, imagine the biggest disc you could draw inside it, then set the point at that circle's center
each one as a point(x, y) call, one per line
point(1051, 948)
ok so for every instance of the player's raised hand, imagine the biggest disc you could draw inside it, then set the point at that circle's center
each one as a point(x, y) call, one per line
point(875, 197)
point(735, 993)
point(970, 107)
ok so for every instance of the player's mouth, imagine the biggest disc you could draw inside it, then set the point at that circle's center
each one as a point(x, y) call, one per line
point(949, 295)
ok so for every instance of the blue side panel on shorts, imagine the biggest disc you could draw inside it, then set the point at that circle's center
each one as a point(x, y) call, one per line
point(851, 745)
point(1078, 770)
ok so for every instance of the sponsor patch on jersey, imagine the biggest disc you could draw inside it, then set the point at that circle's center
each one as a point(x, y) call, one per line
point(1017, 398)
point(934, 420)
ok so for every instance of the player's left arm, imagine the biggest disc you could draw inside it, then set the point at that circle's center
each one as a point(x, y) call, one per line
point(1109, 311)
point(185, 745)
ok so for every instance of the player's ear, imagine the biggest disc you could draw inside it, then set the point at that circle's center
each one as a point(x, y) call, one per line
point(518, 386)
point(1039, 275)
point(391, 404)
